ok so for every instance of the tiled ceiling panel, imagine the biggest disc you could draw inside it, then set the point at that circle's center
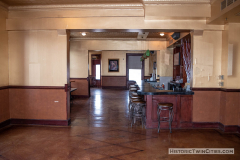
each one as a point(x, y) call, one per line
point(53, 2)
point(104, 35)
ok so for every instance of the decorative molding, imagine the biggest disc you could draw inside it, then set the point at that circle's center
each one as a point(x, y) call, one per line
point(36, 87)
point(176, 1)
point(80, 6)
point(41, 122)
point(121, 39)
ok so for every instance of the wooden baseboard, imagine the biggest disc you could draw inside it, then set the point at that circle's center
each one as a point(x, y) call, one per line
point(217, 125)
point(41, 122)
point(80, 96)
point(228, 128)
point(206, 125)
point(114, 87)
point(5, 123)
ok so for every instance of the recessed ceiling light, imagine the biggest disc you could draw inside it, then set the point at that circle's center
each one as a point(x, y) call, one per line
point(161, 34)
point(84, 34)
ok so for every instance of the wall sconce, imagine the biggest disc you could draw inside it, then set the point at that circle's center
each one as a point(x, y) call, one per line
point(84, 34)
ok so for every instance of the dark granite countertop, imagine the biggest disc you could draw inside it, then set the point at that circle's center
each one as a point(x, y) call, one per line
point(146, 88)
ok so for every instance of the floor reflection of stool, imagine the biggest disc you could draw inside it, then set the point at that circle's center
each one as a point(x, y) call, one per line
point(165, 107)
point(138, 111)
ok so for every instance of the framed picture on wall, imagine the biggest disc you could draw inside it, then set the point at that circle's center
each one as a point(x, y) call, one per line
point(113, 65)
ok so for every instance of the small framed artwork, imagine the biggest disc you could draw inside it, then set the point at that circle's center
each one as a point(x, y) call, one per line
point(113, 65)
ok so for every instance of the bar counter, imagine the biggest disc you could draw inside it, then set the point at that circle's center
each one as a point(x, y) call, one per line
point(182, 106)
point(147, 89)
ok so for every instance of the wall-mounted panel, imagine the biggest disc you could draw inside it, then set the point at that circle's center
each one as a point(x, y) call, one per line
point(42, 104)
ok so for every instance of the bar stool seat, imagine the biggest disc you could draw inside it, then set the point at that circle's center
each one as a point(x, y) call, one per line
point(133, 86)
point(138, 111)
point(165, 107)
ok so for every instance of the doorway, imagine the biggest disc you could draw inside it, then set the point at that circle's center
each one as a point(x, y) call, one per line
point(134, 68)
point(95, 80)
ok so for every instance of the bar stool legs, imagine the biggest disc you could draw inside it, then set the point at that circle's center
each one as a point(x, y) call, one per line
point(169, 107)
point(138, 112)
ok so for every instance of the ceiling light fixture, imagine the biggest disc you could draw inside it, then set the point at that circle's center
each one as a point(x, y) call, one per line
point(84, 34)
point(161, 34)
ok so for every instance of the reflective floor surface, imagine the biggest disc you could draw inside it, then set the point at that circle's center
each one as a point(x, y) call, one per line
point(100, 130)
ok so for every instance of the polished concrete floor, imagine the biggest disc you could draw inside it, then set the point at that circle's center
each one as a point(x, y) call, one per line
point(100, 130)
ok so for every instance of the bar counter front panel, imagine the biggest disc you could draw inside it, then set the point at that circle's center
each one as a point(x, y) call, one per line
point(182, 106)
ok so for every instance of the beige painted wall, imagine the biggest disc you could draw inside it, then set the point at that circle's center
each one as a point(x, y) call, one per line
point(207, 50)
point(164, 70)
point(79, 54)
point(146, 69)
point(37, 58)
point(233, 38)
point(3, 48)
point(75, 12)
point(113, 23)
point(121, 55)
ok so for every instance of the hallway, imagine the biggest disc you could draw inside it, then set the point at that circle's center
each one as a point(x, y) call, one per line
point(100, 130)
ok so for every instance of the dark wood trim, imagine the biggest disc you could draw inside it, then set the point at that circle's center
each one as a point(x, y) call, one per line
point(228, 128)
point(216, 89)
point(41, 122)
point(5, 123)
point(230, 90)
point(4, 87)
point(37, 87)
point(114, 87)
point(67, 88)
point(206, 89)
point(113, 76)
point(205, 124)
point(80, 96)
point(78, 78)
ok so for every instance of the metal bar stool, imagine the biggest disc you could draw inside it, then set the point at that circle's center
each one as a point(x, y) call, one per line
point(133, 97)
point(138, 111)
point(165, 107)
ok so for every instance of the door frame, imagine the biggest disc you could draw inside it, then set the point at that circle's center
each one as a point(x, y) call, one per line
point(127, 70)
point(100, 55)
